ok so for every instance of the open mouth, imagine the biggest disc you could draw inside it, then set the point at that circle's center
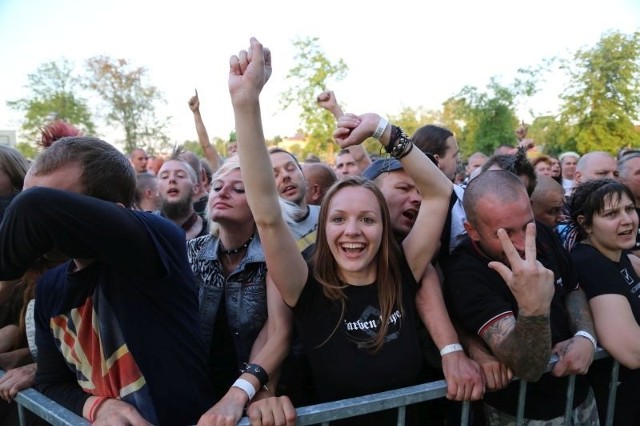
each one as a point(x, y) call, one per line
point(410, 214)
point(173, 191)
point(352, 248)
point(288, 188)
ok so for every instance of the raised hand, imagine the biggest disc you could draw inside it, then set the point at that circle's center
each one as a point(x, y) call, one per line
point(530, 282)
point(353, 129)
point(194, 102)
point(327, 100)
point(249, 71)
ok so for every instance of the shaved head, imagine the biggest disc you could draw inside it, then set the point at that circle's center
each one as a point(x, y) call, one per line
point(500, 184)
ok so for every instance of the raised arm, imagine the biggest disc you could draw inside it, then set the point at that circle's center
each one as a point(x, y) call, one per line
point(210, 152)
point(249, 71)
point(328, 101)
point(435, 189)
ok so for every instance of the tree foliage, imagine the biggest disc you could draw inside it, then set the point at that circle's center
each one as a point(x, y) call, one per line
point(309, 77)
point(54, 95)
point(130, 102)
point(603, 99)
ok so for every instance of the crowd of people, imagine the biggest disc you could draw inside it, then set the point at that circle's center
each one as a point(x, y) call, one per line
point(183, 290)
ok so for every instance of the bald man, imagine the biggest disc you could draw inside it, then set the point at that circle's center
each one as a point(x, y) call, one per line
point(546, 201)
point(596, 165)
point(319, 178)
point(512, 283)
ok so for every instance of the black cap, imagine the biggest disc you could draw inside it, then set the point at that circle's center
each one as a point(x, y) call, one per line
point(381, 165)
point(385, 165)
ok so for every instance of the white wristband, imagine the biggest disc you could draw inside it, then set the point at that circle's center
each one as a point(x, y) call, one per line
point(382, 124)
point(246, 386)
point(588, 335)
point(454, 347)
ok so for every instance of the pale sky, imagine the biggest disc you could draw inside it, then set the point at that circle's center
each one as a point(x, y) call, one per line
point(399, 53)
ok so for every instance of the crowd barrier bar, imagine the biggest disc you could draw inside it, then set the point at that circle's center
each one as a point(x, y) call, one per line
point(56, 415)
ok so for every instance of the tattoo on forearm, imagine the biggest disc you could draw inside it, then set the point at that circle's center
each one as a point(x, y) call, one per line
point(524, 344)
point(579, 313)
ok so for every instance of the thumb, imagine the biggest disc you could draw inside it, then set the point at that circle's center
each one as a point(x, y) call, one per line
point(501, 269)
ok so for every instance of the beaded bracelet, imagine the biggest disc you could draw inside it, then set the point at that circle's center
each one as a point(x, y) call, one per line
point(399, 144)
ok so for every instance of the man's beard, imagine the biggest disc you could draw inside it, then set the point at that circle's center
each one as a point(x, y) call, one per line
point(177, 209)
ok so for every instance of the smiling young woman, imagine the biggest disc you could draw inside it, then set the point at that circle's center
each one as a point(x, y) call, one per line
point(355, 301)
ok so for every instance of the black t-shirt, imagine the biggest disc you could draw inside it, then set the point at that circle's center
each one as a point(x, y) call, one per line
point(600, 275)
point(342, 368)
point(477, 295)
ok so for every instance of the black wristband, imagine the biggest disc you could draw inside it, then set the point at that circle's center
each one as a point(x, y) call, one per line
point(257, 371)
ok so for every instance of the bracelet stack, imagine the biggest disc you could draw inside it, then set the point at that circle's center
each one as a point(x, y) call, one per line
point(399, 144)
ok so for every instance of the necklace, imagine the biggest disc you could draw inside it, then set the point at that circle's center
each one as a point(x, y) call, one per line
point(189, 223)
point(236, 250)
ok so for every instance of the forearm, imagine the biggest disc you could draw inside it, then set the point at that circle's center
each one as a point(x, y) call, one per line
point(42, 219)
point(360, 156)
point(56, 381)
point(580, 317)
point(433, 312)
point(524, 346)
point(210, 152)
point(255, 163)
point(15, 358)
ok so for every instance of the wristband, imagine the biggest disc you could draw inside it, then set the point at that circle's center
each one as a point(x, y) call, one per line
point(246, 386)
point(588, 335)
point(258, 372)
point(382, 124)
point(454, 347)
point(94, 407)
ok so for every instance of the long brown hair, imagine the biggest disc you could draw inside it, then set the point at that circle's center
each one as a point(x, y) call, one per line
point(388, 276)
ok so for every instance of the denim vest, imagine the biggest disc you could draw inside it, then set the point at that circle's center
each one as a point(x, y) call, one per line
point(244, 291)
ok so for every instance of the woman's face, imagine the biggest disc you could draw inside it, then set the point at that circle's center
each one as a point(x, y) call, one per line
point(354, 233)
point(615, 228)
point(227, 200)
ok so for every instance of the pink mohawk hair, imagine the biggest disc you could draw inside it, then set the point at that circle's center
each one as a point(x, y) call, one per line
point(57, 130)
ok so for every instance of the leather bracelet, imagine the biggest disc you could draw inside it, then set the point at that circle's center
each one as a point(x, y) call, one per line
point(257, 371)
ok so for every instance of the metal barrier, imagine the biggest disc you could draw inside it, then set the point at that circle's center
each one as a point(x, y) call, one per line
point(57, 415)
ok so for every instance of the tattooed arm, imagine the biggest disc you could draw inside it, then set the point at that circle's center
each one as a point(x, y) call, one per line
point(575, 354)
point(523, 344)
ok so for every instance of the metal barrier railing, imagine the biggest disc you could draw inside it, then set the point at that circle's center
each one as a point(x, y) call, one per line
point(55, 414)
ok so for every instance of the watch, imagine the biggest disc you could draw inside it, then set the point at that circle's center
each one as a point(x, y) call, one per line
point(257, 371)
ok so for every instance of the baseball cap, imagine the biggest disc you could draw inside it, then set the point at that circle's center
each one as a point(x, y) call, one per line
point(386, 165)
point(380, 166)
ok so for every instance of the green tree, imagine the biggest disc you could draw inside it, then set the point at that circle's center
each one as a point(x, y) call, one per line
point(130, 102)
point(550, 135)
point(309, 77)
point(488, 118)
point(603, 97)
point(54, 94)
